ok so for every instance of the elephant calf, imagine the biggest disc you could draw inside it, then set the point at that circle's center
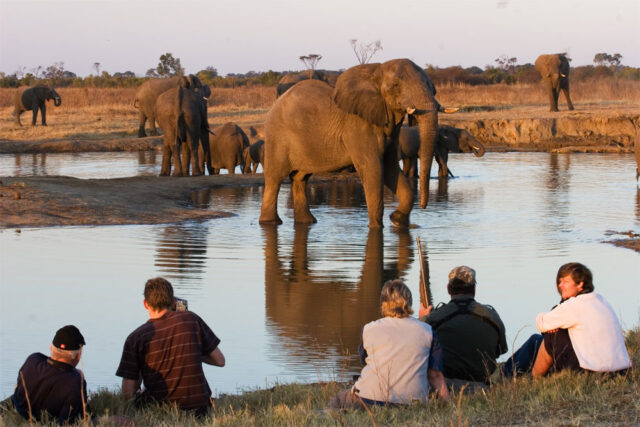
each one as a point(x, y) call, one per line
point(34, 98)
point(253, 156)
point(449, 139)
point(226, 148)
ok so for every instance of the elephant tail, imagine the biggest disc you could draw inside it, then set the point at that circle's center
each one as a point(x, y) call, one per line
point(181, 132)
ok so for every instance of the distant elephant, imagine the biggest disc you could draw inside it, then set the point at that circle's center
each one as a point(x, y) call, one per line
point(290, 79)
point(33, 98)
point(554, 70)
point(253, 156)
point(148, 93)
point(449, 139)
point(226, 148)
point(314, 128)
point(182, 116)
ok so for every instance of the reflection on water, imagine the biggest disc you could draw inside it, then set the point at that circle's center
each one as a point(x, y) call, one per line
point(84, 165)
point(289, 302)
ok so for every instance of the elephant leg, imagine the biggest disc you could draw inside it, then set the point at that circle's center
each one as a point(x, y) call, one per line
point(370, 172)
point(255, 167)
point(34, 115)
point(406, 166)
point(43, 114)
point(177, 162)
point(17, 114)
point(269, 209)
point(398, 183)
point(152, 124)
point(142, 121)
point(185, 155)
point(568, 97)
point(166, 157)
point(301, 212)
point(553, 99)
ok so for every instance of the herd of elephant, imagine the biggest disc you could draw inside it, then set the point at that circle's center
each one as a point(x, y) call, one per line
point(319, 123)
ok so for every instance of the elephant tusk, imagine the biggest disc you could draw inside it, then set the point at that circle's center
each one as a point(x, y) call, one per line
point(411, 110)
point(211, 132)
point(205, 98)
point(448, 110)
point(563, 75)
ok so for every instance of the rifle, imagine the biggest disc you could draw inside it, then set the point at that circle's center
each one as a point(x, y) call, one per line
point(425, 296)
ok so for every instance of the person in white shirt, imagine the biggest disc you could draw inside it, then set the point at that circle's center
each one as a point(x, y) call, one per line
point(582, 333)
point(402, 356)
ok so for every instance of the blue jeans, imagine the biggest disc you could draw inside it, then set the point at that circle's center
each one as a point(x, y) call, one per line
point(522, 360)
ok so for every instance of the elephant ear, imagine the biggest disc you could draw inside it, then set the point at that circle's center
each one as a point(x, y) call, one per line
point(358, 92)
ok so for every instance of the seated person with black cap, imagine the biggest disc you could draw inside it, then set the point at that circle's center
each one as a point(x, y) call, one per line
point(471, 334)
point(53, 383)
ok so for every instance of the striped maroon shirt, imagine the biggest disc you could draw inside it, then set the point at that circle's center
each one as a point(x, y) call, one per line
point(168, 353)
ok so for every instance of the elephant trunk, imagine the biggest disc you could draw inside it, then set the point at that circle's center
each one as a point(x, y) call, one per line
point(57, 101)
point(428, 128)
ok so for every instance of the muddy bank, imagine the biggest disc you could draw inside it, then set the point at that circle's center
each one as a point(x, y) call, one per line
point(58, 200)
point(80, 145)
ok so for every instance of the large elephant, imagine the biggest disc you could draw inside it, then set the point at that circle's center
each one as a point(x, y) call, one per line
point(253, 156)
point(288, 80)
point(449, 139)
point(554, 70)
point(34, 99)
point(226, 148)
point(313, 129)
point(182, 116)
point(148, 93)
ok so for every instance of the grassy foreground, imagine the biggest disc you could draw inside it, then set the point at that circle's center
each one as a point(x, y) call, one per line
point(562, 399)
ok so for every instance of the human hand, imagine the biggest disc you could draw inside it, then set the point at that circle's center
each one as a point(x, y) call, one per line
point(424, 311)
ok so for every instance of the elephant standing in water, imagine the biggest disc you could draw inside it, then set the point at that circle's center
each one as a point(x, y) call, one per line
point(148, 93)
point(226, 149)
point(314, 128)
point(34, 99)
point(449, 139)
point(290, 79)
point(554, 70)
point(182, 116)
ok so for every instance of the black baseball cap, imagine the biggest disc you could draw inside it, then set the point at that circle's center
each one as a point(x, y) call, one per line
point(68, 338)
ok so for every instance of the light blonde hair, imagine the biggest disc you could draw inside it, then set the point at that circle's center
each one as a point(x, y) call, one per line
point(395, 299)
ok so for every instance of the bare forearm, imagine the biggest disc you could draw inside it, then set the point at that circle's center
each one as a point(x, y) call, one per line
point(436, 379)
point(215, 358)
point(130, 387)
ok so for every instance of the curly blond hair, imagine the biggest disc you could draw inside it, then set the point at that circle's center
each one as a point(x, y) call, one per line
point(395, 299)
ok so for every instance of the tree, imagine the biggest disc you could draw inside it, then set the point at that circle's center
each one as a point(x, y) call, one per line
point(151, 72)
point(364, 52)
point(96, 66)
point(605, 59)
point(311, 61)
point(505, 63)
point(55, 71)
point(169, 66)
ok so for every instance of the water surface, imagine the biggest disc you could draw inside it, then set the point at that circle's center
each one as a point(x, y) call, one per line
point(289, 302)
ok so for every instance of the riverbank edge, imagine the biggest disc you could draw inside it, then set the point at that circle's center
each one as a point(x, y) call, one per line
point(565, 398)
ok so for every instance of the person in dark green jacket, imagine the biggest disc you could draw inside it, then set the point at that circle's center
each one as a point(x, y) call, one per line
point(471, 334)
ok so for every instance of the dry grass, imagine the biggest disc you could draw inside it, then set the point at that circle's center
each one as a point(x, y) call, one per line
point(99, 113)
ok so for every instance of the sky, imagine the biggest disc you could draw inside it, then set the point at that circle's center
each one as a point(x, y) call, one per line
point(258, 35)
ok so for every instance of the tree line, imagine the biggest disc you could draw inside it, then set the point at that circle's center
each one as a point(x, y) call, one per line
point(506, 71)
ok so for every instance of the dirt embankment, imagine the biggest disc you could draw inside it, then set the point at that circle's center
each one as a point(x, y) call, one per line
point(59, 200)
point(590, 130)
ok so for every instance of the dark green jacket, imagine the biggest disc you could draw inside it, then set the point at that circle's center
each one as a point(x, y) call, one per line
point(471, 335)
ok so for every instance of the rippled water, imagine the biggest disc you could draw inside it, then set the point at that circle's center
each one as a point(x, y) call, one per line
point(289, 302)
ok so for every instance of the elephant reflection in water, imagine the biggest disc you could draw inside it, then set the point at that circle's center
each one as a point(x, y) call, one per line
point(316, 315)
point(38, 164)
point(147, 157)
point(232, 199)
point(181, 250)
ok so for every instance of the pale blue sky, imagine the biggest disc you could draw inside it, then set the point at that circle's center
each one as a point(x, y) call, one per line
point(244, 35)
